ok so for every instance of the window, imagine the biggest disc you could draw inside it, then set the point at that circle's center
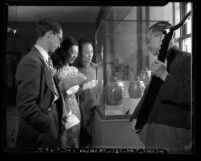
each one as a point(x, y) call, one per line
point(183, 36)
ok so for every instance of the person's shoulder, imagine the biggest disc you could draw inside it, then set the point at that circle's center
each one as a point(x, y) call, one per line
point(184, 54)
point(27, 56)
point(29, 62)
point(183, 57)
point(93, 65)
point(31, 56)
point(99, 65)
point(181, 52)
point(74, 69)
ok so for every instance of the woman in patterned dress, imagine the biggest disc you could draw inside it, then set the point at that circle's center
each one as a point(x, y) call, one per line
point(64, 56)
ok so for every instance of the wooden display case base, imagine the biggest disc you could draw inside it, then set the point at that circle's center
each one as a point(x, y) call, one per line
point(115, 133)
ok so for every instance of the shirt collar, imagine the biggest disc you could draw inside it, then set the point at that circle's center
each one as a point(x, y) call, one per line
point(42, 52)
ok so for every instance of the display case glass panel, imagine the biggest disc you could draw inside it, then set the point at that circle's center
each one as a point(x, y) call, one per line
point(123, 61)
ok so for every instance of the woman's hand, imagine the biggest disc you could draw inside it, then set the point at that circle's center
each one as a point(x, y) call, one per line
point(72, 90)
point(90, 84)
point(133, 125)
point(159, 69)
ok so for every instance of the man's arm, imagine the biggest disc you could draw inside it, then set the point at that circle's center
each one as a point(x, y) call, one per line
point(28, 76)
point(177, 84)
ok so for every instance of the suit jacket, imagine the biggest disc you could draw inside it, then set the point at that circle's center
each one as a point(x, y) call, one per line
point(172, 105)
point(39, 116)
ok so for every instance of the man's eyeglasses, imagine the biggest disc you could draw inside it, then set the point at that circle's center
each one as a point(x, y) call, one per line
point(59, 37)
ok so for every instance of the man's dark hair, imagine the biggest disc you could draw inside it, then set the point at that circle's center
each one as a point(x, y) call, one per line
point(62, 55)
point(46, 24)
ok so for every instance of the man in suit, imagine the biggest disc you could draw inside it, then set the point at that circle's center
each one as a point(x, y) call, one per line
point(169, 123)
point(39, 100)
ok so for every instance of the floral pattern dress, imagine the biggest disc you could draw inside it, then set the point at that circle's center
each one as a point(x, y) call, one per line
point(70, 137)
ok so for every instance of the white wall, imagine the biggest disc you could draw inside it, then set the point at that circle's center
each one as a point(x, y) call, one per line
point(162, 12)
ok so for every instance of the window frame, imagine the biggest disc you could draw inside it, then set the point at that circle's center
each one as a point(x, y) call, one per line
point(183, 30)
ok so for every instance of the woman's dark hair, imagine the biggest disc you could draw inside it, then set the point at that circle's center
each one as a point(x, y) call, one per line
point(61, 55)
point(78, 62)
point(46, 24)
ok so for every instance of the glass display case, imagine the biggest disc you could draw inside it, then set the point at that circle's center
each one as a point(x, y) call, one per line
point(123, 61)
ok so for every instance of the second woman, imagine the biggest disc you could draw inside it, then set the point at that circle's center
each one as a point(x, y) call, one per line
point(64, 56)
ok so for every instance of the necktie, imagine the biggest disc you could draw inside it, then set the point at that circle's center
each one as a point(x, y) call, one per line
point(51, 68)
point(53, 72)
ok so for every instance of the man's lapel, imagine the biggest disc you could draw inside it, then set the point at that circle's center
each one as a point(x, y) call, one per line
point(57, 86)
point(47, 73)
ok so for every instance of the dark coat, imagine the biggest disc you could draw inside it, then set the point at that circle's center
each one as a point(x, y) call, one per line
point(39, 117)
point(172, 105)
